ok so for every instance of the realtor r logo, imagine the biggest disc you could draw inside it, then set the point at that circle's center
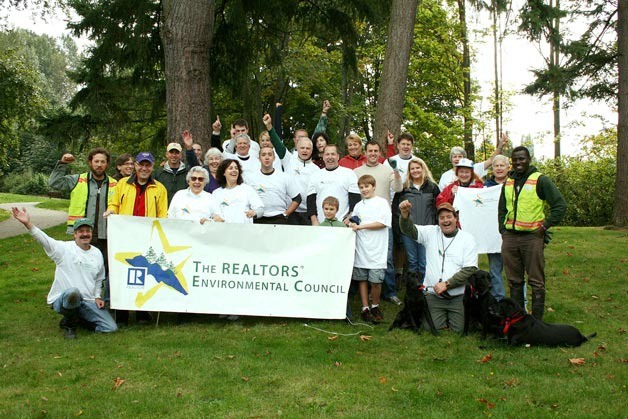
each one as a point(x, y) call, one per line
point(136, 276)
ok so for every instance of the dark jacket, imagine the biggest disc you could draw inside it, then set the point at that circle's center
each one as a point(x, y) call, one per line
point(423, 204)
point(173, 181)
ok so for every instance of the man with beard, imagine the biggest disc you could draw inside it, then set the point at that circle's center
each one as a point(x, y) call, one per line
point(89, 194)
point(451, 259)
point(299, 167)
point(523, 226)
point(76, 290)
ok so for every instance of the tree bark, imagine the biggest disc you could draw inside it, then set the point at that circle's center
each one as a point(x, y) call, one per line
point(620, 214)
point(555, 62)
point(389, 111)
point(186, 34)
point(466, 72)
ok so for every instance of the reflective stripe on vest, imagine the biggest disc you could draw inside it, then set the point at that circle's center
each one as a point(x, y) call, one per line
point(525, 209)
point(80, 195)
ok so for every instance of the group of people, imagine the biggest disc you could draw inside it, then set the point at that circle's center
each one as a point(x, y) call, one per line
point(386, 196)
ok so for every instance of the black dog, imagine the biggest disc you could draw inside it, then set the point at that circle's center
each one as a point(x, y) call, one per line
point(522, 328)
point(477, 300)
point(414, 311)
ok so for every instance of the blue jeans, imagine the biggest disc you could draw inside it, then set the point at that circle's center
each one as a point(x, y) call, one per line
point(415, 252)
point(86, 310)
point(390, 284)
point(496, 266)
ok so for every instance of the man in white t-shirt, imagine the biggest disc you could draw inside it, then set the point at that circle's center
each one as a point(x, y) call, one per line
point(249, 162)
point(277, 191)
point(299, 167)
point(405, 148)
point(77, 287)
point(333, 180)
point(371, 220)
point(451, 259)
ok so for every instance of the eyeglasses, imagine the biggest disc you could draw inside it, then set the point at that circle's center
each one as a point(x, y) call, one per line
point(194, 179)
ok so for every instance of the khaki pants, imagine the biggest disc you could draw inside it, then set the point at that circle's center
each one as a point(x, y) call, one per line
point(522, 254)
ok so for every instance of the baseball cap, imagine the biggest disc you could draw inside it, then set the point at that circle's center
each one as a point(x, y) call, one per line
point(144, 156)
point(445, 206)
point(83, 222)
point(174, 146)
point(464, 162)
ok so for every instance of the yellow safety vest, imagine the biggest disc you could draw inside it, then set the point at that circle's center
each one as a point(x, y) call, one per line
point(525, 209)
point(80, 194)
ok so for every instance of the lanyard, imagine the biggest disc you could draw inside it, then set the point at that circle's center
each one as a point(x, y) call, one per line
point(443, 254)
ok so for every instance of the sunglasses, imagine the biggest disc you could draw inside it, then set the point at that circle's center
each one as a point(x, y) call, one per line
point(194, 179)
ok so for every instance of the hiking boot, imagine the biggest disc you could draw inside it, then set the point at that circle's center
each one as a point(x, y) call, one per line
point(69, 332)
point(377, 315)
point(366, 315)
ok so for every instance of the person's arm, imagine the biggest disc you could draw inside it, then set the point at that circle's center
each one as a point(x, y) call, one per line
point(501, 212)
point(370, 226)
point(162, 202)
point(548, 192)
point(280, 148)
point(59, 180)
point(190, 155)
point(460, 278)
point(322, 122)
point(296, 201)
point(354, 198)
point(396, 184)
point(406, 226)
point(311, 208)
point(215, 138)
point(277, 120)
point(445, 196)
point(498, 150)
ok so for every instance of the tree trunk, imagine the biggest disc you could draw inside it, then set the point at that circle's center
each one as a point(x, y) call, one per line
point(555, 63)
point(389, 111)
point(620, 214)
point(466, 73)
point(186, 34)
point(496, 50)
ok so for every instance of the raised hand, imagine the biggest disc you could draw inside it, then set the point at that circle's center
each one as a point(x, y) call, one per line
point(67, 158)
point(187, 139)
point(217, 126)
point(268, 121)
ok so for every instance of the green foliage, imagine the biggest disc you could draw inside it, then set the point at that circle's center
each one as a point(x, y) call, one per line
point(26, 183)
point(587, 182)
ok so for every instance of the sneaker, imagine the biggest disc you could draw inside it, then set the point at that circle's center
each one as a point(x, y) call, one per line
point(366, 315)
point(69, 332)
point(377, 314)
point(394, 300)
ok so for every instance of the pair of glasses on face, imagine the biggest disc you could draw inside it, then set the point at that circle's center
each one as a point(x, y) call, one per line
point(199, 179)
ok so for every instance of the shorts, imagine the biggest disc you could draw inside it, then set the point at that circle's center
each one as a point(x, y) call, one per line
point(374, 276)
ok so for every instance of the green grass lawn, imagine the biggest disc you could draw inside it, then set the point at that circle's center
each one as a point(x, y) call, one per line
point(44, 201)
point(269, 367)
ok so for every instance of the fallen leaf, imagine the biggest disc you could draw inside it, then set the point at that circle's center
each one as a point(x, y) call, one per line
point(56, 357)
point(35, 270)
point(44, 398)
point(621, 330)
point(439, 393)
point(488, 404)
point(577, 361)
point(601, 348)
point(334, 337)
point(394, 389)
point(595, 297)
point(485, 359)
point(382, 380)
point(179, 394)
point(550, 309)
point(595, 354)
point(511, 383)
point(364, 338)
point(59, 374)
point(231, 356)
point(337, 364)
point(566, 271)
point(587, 279)
point(569, 254)
point(117, 382)
point(119, 366)
point(79, 413)
point(92, 357)
point(245, 379)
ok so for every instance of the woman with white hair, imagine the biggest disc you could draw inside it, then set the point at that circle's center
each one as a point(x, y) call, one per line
point(213, 158)
point(194, 203)
point(458, 153)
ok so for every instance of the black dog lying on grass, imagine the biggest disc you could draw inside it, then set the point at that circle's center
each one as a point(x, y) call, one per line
point(522, 328)
point(477, 300)
point(414, 311)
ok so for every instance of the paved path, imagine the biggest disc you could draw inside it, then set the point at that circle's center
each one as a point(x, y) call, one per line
point(42, 218)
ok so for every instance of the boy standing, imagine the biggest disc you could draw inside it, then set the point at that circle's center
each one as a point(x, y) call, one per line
point(330, 209)
point(371, 218)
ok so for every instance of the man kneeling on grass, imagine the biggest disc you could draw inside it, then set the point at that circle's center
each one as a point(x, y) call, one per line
point(76, 290)
point(451, 259)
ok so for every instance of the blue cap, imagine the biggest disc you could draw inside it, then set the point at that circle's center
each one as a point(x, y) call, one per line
point(145, 156)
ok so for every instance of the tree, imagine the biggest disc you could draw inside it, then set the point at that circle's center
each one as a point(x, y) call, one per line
point(620, 214)
point(186, 36)
point(542, 21)
point(391, 94)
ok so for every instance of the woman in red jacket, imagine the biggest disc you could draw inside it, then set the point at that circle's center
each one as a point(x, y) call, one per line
point(466, 178)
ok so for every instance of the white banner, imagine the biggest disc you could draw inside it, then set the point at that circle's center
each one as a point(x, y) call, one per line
point(158, 264)
point(478, 216)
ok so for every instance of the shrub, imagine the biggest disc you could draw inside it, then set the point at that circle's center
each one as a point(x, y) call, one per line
point(26, 183)
point(587, 186)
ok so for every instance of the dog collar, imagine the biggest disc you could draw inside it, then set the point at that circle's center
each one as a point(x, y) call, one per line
point(509, 321)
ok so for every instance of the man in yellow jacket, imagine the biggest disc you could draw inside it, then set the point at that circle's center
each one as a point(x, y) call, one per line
point(139, 195)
